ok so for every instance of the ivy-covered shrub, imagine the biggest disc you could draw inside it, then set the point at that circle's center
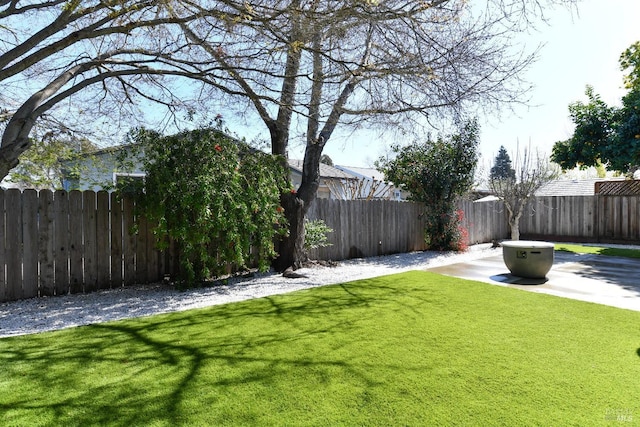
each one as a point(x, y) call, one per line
point(213, 195)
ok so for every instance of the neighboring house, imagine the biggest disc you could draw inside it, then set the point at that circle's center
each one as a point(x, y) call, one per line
point(333, 181)
point(573, 187)
point(103, 169)
point(371, 185)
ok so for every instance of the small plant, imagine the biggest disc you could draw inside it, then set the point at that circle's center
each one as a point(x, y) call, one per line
point(316, 234)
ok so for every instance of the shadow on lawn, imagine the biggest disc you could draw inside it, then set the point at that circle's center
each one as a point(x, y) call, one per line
point(166, 368)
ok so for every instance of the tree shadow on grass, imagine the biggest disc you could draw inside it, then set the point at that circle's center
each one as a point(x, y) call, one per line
point(165, 368)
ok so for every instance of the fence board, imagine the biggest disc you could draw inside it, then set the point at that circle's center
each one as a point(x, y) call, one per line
point(45, 243)
point(14, 244)
point(3, 281)
point(30, 244)
point(116, 241)
point(89, 234)
point(142, 260)
point(103, 235)
point(62, 243)
point(128, 242)
point(76, 249)
point(153, 256)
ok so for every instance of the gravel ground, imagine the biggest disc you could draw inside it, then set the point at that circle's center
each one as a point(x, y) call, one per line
point(52, 313)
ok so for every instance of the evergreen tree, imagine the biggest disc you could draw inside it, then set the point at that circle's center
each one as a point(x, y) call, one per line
point(502, 166)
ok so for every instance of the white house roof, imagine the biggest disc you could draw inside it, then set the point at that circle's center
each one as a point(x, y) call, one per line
point(326, 171)
point(363, 172)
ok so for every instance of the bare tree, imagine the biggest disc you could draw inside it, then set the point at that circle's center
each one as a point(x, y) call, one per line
point(532, 171)
point(315, 64)
point(101, 56)
point(360, 189)
point(298, 65)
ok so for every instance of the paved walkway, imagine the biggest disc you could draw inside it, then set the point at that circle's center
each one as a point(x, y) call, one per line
point(613, 281)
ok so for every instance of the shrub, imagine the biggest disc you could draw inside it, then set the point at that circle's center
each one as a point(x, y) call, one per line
point(213, 195)
point(444, 231)
point(316, 234)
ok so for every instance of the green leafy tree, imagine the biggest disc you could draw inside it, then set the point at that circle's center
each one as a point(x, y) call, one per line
point(48, 160)
point(604, 134)
point(502, 166)
point(215, 196)
point(436, 173)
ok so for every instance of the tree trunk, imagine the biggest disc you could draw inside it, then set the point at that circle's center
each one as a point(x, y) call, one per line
point(291, 251)
point(290, 248)
point(6, 164)
point(515, 229)
point(514, 224)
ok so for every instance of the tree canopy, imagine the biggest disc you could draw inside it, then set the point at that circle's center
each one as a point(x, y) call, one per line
point(104, 57)
point(606, 134)
point(301, 67)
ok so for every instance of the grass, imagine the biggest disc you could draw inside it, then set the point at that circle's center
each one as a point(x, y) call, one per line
point(409, 349)
point(580, 249)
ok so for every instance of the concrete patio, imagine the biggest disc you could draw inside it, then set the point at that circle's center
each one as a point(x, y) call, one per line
point(608, 280)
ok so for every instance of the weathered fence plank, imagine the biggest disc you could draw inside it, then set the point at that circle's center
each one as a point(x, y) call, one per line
point(90, 236)
point(103, 235)
point(13, 246)
point(76, 248)
point(30, 244)
point(129, 242)
point(142, 260)
point(46, 236)
point(62, 242)
point(116, 241)
point(3, 282)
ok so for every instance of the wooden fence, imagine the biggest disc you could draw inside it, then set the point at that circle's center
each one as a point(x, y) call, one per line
point(364, 228)
point(380, 227)
point(485, 221)
point(599, 218)
point(54, 243)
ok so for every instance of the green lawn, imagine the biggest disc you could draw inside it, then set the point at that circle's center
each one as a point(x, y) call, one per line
point(409, 349)
point(581, 249)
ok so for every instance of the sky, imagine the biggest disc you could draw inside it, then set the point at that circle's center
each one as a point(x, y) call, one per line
point(579, 48)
